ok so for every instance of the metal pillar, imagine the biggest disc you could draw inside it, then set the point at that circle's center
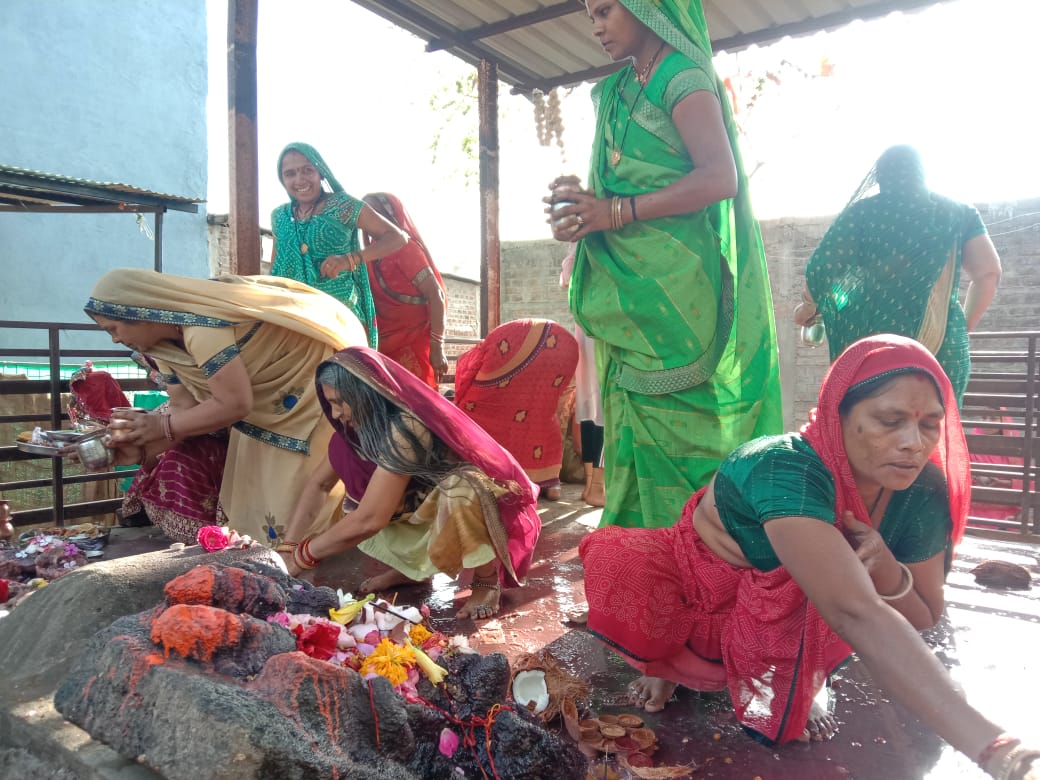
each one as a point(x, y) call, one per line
point(491, 248)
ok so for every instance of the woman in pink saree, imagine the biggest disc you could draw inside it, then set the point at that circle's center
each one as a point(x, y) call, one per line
point(427, 490)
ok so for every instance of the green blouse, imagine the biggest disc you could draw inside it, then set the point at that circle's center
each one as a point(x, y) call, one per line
point(782, 476)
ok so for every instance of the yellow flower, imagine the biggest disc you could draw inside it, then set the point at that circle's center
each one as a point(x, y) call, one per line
point(419, 634)
point(390, 660)
point(433, 672)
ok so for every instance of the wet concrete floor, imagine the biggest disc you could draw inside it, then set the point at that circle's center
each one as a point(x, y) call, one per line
point(987, 640)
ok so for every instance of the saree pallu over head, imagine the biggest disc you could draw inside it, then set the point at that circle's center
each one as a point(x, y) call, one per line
point(515, 530)
point(402, 310)
point(678, 299)
point(306, 325)
point(890, 263)
point(510, 384)
point(676, 610)
point(330, 231)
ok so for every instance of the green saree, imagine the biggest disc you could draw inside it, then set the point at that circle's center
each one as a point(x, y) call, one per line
point(301, 246)
point(679, 306)
point(877, 266)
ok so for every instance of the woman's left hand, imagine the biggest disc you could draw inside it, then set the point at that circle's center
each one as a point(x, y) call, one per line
point(334, 265)
point(874, 554)
point(438, 360)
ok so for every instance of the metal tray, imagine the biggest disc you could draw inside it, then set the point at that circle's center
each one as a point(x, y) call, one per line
point(39, 449)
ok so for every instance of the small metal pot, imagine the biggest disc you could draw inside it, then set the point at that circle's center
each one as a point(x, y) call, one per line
point(814, 334)
point(93, 453)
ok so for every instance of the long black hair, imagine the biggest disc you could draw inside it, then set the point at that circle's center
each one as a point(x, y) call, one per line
point(869, 388)
point(382, 432)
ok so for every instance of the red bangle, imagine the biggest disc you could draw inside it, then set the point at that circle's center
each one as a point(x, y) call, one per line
point(999, 741)
point(302, 555)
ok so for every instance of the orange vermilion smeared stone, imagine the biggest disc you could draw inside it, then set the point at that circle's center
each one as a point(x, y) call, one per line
point(197, 632)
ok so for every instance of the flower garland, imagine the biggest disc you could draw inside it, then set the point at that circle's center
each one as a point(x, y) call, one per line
point(548, 120)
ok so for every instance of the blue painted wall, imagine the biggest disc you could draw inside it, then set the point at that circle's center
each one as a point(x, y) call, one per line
point(110, 91)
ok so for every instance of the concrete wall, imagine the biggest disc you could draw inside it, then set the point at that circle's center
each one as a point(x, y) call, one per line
point(530, 287)
point(110, 91)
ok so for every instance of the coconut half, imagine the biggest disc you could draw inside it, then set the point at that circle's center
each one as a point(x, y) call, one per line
point(530, 691)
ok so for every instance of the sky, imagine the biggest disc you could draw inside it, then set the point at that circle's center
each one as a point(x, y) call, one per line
point(956, 80)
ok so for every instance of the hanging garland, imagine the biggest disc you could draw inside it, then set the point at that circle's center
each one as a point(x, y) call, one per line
point(548, 120)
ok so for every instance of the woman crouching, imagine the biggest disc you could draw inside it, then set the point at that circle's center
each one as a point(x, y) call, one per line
point(427, 490)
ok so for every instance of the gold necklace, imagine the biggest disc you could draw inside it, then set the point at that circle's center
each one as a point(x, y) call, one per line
point(643, 77)
point(298, 218)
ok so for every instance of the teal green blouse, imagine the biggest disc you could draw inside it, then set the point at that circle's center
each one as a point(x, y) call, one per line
point(782, 476)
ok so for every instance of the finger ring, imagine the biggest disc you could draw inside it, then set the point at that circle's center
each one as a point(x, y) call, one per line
point(581, 221)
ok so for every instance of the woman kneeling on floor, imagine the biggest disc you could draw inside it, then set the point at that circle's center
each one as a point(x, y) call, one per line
point(805, 548)
point(427, 490)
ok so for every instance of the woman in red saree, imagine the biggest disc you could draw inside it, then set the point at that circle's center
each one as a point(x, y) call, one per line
point(427, 490)
point(510, 384)
point(804, 548)
point(409, 295)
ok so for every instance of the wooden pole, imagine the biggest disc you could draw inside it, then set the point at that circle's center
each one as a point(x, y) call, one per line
point(491, 248)
point(244, 217)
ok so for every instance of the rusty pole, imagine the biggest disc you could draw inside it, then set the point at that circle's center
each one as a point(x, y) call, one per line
point(491, 249)
point(244, 219)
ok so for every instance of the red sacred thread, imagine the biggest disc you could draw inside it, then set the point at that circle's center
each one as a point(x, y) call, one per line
point(469, 738)
point(375, 712)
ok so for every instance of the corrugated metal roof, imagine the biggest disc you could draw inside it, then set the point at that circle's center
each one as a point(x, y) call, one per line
point(540, 44)
point(26, 188)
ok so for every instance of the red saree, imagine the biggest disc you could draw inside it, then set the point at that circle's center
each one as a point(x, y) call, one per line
point(675, 609)
point(510, 384)
point(402, 315)
point(512, 520)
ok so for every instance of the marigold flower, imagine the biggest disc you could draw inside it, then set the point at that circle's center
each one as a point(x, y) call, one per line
point(389, 660)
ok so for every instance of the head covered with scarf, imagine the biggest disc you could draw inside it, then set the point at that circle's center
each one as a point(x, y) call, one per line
point(367, 377)
point(871, 360)
point(300, 247)
point(314, 159)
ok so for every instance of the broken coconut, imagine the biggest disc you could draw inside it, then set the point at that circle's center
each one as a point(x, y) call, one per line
point(530, 691)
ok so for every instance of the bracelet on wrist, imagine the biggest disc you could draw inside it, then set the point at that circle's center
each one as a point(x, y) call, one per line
point(908, 577)
point(166, 423)
point(632, 207)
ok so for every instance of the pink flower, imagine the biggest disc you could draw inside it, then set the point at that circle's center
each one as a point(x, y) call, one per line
point(449, 743)
point(212, 538)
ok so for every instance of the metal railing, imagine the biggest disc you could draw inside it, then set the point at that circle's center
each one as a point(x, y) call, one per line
point(1000, 414)
point(53, 387)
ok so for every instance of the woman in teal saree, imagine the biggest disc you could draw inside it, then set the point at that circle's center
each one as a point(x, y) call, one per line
point(891, 262)
point(670, 277)
point(316, 234)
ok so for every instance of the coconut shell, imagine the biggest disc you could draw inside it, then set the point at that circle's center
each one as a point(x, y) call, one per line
point(629, 721)
point(1001, 574)
point(561, 684)
point(612, 732)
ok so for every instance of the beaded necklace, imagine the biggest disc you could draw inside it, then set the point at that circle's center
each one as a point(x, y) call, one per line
point(298, 219)
point(643, 77)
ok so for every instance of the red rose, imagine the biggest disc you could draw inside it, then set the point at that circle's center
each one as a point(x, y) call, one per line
point(212, 538)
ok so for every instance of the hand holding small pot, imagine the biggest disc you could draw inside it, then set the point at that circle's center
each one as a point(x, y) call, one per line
point(130, 426)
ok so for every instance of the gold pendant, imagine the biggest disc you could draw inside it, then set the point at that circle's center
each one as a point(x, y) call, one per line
point(615, 157)
point(304, 248)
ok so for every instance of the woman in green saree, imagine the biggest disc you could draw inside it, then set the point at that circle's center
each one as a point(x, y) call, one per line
point(670, 277)
point(316, 234)
point(891, 262)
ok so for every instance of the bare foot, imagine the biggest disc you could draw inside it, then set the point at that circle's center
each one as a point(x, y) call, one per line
point(595, 495)
point(391, 578)
point(651, 693)
point(484, 601)
point(821, 726)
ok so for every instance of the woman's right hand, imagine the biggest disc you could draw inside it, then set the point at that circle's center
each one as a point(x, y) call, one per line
point(334, 265)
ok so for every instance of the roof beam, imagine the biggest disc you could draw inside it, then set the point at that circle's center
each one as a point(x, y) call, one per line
point(507, 25)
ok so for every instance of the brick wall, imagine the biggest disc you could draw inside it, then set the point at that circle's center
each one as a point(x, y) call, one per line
point(530, 274)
